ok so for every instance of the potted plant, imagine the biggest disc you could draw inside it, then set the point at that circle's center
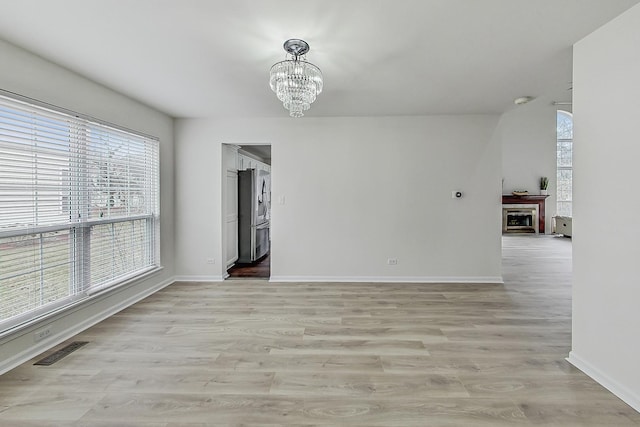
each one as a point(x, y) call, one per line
point(544, 183)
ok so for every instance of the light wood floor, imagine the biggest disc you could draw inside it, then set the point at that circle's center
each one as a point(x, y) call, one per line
point(258, 353)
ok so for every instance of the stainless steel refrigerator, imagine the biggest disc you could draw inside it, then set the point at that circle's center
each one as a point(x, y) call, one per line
point(254, 214)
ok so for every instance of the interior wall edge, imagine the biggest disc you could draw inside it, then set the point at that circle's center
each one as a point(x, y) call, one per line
point(624, 393)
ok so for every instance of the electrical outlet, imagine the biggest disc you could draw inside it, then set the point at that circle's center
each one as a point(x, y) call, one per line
point(210, 261)
point(392, 261)
point(42, 334)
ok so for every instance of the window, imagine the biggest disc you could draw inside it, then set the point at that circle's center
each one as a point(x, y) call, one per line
point(564, 163)
point(79, 208)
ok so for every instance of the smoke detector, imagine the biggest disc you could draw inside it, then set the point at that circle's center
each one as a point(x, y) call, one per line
point(523, 100)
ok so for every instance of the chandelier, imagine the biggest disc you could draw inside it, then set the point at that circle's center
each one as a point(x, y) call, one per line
point(296, 81)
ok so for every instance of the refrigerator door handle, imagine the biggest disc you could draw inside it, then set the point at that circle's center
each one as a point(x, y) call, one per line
point(253, 243)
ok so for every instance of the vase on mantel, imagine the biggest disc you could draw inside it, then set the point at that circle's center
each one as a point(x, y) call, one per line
point(544, 183)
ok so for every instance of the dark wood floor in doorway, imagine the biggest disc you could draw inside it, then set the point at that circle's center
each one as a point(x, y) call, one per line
point(260, 269)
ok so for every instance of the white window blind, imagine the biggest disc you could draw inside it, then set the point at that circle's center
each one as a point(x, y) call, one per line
point(79, 208)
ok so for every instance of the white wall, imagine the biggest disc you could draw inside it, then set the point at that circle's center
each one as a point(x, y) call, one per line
point(26, 74)
point(528, 134)
point(357, 191)
point(606, 246)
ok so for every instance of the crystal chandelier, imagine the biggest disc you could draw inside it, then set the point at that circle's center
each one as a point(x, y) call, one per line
point(296, 81)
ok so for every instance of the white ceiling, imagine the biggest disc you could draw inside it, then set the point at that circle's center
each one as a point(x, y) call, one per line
point(202, 58)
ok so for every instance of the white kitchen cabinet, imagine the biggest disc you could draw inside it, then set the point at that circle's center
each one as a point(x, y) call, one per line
point(245, 162)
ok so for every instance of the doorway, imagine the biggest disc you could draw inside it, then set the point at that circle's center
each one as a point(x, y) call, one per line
point(247, 188)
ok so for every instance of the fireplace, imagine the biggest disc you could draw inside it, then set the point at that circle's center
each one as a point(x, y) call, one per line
point(521, 208)
point(520, 218)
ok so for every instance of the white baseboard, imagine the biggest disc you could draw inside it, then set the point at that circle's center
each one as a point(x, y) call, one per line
point(199, 278)
point(37, 348)
point(630, 397)
point(389, 279)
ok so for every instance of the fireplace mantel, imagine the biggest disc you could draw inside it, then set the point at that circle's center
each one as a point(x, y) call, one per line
point(510, 199)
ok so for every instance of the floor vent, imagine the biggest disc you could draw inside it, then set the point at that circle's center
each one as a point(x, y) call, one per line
point(64, 351)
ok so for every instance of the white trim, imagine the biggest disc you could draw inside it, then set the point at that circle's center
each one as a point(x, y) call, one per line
point(219, 278)
point(56, 339)
point(390, 279)
point(124, 281)
point(73, 305)
point(630, 397)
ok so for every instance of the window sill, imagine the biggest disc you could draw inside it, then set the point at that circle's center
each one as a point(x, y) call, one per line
point(59, 312)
